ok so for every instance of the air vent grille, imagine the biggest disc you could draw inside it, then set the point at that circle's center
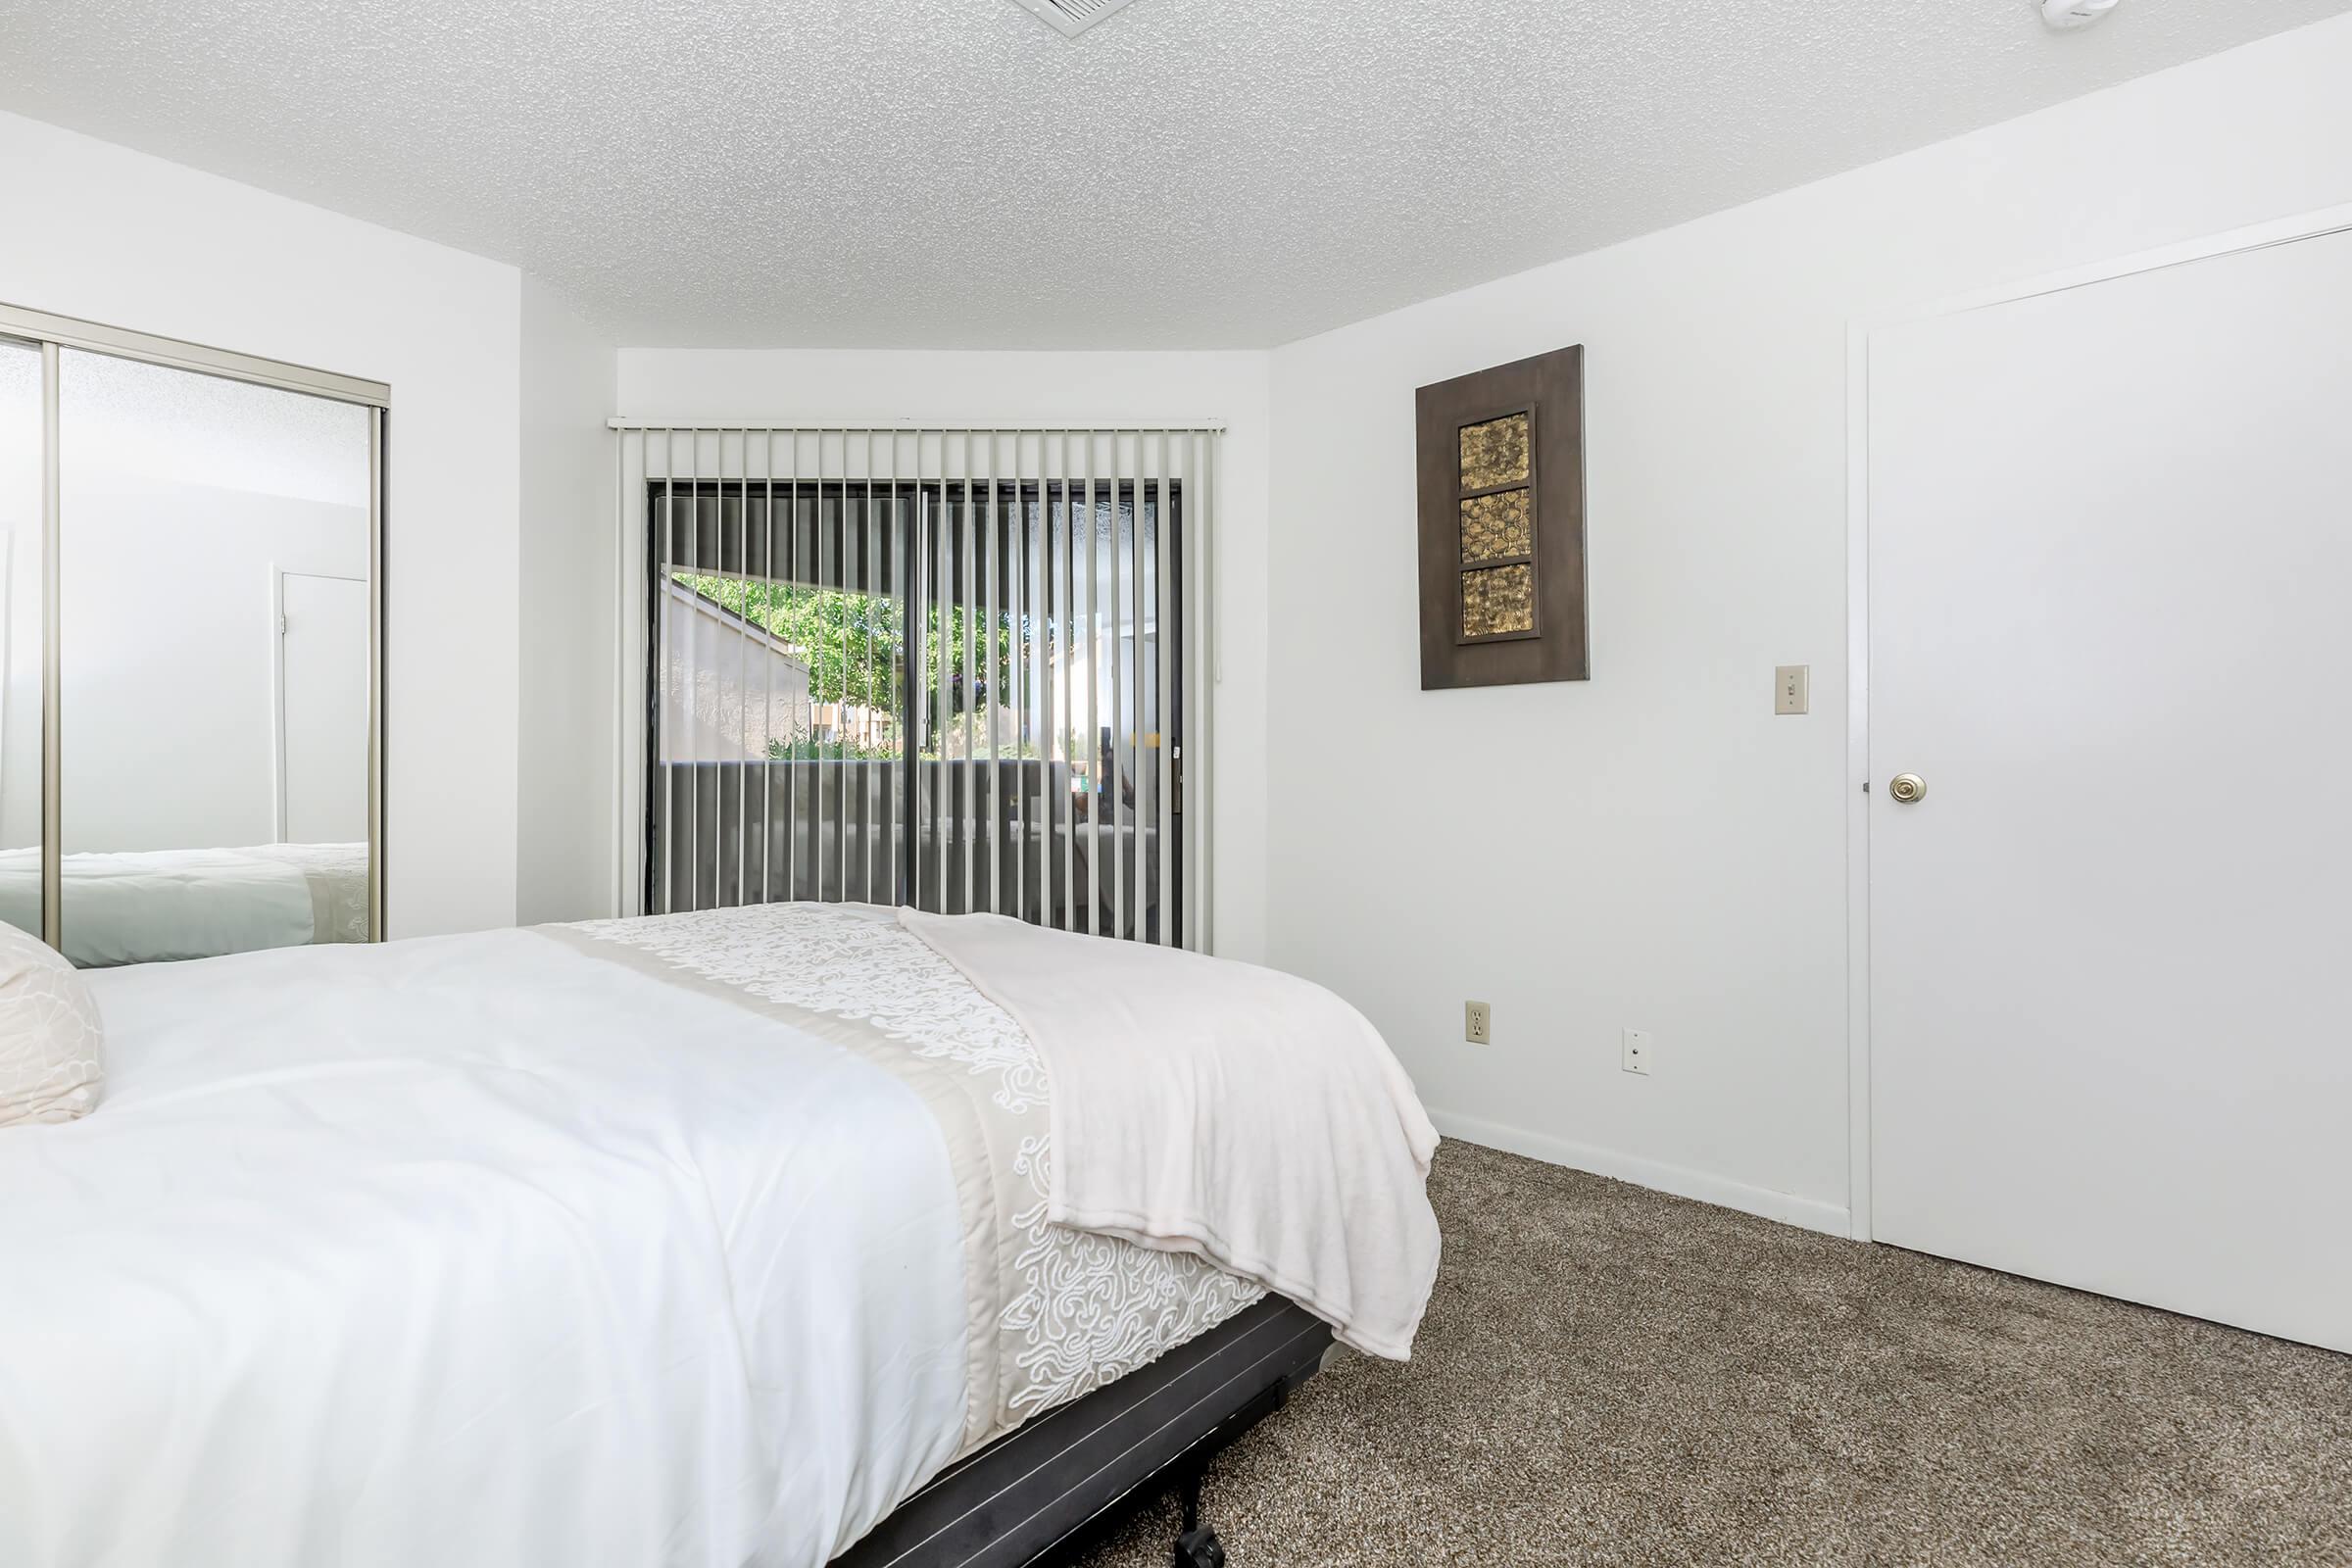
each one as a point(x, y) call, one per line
point(1070, 18)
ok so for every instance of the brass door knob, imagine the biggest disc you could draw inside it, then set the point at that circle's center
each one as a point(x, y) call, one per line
point(1906, 787)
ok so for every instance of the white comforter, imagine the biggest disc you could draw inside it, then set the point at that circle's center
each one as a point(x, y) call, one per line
point(473, 1250)
point(699, 1239)
point(1223, 1110)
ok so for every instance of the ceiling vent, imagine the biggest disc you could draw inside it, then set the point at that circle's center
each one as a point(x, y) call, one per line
point(1070, 18)
point(2065, 16)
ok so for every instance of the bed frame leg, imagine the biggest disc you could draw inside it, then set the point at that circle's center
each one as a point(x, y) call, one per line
point(1196, 1548)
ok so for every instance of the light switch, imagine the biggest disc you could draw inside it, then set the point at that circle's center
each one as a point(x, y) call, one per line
point(1791, 687)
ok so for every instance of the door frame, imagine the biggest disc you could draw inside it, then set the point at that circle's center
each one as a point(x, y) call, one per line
point(1859, 332)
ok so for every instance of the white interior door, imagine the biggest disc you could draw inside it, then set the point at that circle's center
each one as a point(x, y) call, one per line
point(323, 648)
point(2110, 548)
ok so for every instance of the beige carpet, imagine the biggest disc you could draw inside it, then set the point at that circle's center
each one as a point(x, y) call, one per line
point(1611, 1376)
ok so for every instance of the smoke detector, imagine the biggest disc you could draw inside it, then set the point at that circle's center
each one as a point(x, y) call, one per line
point(2065, 16)
point(1070, 18)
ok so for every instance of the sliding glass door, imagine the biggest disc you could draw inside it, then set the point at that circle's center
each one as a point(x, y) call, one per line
point(945, 669)
point(778, 662)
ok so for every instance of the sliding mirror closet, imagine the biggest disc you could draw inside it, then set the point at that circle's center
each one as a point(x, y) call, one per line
point(190, 715)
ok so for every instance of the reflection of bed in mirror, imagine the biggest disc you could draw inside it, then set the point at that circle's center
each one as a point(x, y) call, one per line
point(140, 907)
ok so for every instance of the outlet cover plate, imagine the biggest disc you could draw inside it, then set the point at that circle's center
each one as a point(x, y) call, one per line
point(1478, 1023)
point(1636, 1056)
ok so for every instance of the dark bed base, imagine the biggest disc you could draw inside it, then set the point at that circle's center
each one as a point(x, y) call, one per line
point(1043, 1493)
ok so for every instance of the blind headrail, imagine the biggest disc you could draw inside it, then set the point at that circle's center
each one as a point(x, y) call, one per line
point(925, 427)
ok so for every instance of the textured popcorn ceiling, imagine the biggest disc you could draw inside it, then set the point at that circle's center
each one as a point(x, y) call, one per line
point(953, 173)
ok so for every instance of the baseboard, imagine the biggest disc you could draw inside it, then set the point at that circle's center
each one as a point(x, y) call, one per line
point(1810, 1214)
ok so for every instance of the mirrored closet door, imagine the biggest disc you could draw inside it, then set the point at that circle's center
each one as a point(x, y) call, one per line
point(190, 713)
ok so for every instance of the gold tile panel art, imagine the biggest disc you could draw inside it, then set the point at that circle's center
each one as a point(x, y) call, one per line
point(1497, 525)
point(1494, 453)
point(1497, 599)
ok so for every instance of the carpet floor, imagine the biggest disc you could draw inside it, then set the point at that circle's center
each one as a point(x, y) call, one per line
point(1610, 1376)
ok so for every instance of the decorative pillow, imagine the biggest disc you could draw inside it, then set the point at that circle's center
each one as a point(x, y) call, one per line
point(51, 1068)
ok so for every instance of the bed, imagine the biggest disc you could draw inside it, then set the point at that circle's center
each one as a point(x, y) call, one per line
point(148, 905)
point(701, 1239)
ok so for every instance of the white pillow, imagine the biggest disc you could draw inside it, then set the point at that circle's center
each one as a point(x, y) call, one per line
point(51, 1065)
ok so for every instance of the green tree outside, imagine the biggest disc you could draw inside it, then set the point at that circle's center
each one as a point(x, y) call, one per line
point(852, 645)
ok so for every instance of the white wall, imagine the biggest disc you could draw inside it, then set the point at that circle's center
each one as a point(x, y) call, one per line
point(98, 231)
point(563, 742)
point(1681, 868)
point(1670, 855)
point(1013, 390)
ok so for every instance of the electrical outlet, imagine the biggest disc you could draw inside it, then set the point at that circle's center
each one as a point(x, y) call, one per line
point(1791, 688)
point(1478, 1023)
point(1636, 1052)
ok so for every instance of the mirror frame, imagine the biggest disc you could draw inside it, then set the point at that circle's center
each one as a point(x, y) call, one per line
point(52, 333)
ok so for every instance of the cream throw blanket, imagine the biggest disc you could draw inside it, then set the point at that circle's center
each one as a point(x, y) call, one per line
point(1203, 1106)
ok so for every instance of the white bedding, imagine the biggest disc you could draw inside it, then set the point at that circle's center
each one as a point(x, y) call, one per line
point(146, 906)
point(497, 1249)
point(1223, 1109)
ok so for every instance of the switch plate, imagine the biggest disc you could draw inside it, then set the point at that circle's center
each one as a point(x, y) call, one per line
point(1636, 1052)
point(1791, 688)
point(1478, 1023)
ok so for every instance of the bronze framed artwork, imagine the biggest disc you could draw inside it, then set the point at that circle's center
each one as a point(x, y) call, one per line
point(1502, 504)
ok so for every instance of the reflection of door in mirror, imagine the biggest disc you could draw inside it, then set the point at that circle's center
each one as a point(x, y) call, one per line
point(213, 781)
point(322, 709)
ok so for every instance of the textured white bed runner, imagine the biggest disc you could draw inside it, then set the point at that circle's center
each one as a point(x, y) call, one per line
point(1208, 1107)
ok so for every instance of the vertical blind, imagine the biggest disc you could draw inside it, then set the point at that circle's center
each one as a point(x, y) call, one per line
point(961, 669)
